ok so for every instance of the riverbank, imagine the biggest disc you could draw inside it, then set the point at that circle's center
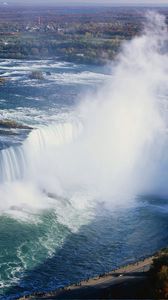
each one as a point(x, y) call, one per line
point(127, 282)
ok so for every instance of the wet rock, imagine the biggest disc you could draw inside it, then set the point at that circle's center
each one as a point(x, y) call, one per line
point(2, 80)
point(11, 124)
point(36, 75)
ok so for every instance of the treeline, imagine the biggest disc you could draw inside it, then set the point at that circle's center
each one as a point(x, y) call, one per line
point(72, 48)
point(78, 35)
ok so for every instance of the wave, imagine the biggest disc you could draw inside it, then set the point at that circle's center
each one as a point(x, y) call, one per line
point(83, 77)
point(19, 65)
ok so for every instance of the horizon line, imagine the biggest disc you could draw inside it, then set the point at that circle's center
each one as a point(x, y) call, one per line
point(87, 4)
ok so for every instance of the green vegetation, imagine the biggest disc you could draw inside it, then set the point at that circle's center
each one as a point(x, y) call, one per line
point(80, 36)
point(80, 48)
point(159, 275)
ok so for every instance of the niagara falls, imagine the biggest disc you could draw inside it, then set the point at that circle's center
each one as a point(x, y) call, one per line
point(83, 144)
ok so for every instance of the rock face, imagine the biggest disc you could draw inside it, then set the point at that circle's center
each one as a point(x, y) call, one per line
point(36, 75)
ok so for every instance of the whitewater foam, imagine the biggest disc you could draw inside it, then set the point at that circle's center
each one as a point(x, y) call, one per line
point(117, 148)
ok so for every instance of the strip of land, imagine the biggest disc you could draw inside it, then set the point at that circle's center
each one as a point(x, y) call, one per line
point(128, 282)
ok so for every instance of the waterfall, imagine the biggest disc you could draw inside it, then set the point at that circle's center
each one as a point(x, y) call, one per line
point(12, 164)
point(16, 161)
point(120, 150)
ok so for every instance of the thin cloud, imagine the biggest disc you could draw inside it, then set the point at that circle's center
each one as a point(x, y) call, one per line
point(88, 2)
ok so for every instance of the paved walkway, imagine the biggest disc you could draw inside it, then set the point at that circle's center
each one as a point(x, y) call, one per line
point(94, 287)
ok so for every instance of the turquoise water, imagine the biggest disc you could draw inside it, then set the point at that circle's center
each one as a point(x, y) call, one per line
point(49, 239)
point(42, 257)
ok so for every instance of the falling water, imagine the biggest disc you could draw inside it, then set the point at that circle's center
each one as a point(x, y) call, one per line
point(117, 148)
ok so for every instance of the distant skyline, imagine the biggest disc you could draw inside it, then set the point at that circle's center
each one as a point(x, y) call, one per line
point(86, 2)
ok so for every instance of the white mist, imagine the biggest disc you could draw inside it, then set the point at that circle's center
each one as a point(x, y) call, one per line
point(117, 148)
